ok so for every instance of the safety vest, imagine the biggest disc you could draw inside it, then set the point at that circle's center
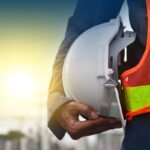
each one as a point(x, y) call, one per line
point(136, 81)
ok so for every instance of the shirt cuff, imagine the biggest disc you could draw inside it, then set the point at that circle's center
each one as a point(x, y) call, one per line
point(55, 101)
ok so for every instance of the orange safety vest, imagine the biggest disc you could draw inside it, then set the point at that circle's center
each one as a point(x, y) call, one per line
point(136, 81)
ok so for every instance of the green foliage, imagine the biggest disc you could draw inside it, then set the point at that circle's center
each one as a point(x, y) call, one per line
point(14, 135)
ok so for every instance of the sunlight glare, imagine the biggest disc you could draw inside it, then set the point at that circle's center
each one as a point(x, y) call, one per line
point(19, 83)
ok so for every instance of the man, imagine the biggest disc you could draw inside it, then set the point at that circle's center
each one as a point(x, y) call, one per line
point(63, 113)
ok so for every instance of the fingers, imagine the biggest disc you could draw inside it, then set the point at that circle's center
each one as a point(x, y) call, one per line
point(99, 130)
point(68, 119)
point(79, 129)
point(86, 111)
point(91, 124)
point(74, 109)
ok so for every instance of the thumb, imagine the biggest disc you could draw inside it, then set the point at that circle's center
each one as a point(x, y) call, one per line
point(87, 111)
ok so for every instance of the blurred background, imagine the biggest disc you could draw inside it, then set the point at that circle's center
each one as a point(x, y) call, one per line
point(30, 34)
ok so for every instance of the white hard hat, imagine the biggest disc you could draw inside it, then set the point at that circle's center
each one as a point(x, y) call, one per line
point(87, 74)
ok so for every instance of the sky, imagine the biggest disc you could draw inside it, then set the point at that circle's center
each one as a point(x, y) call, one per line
point(30, 34)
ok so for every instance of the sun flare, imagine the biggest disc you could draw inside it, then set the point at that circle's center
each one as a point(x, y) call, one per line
point(19, 83)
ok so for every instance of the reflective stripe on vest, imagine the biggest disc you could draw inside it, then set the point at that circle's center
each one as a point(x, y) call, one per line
point(136, 81)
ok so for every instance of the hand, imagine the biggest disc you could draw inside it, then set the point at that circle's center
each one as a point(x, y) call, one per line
point(68, 115)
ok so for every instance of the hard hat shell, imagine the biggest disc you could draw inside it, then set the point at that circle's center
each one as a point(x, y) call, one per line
point(86, 72)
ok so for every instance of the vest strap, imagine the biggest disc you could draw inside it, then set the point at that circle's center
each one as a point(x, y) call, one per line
point(137, 97)
point(137, 100)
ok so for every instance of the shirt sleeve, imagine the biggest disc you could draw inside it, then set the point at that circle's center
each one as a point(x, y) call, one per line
point(56, 95)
